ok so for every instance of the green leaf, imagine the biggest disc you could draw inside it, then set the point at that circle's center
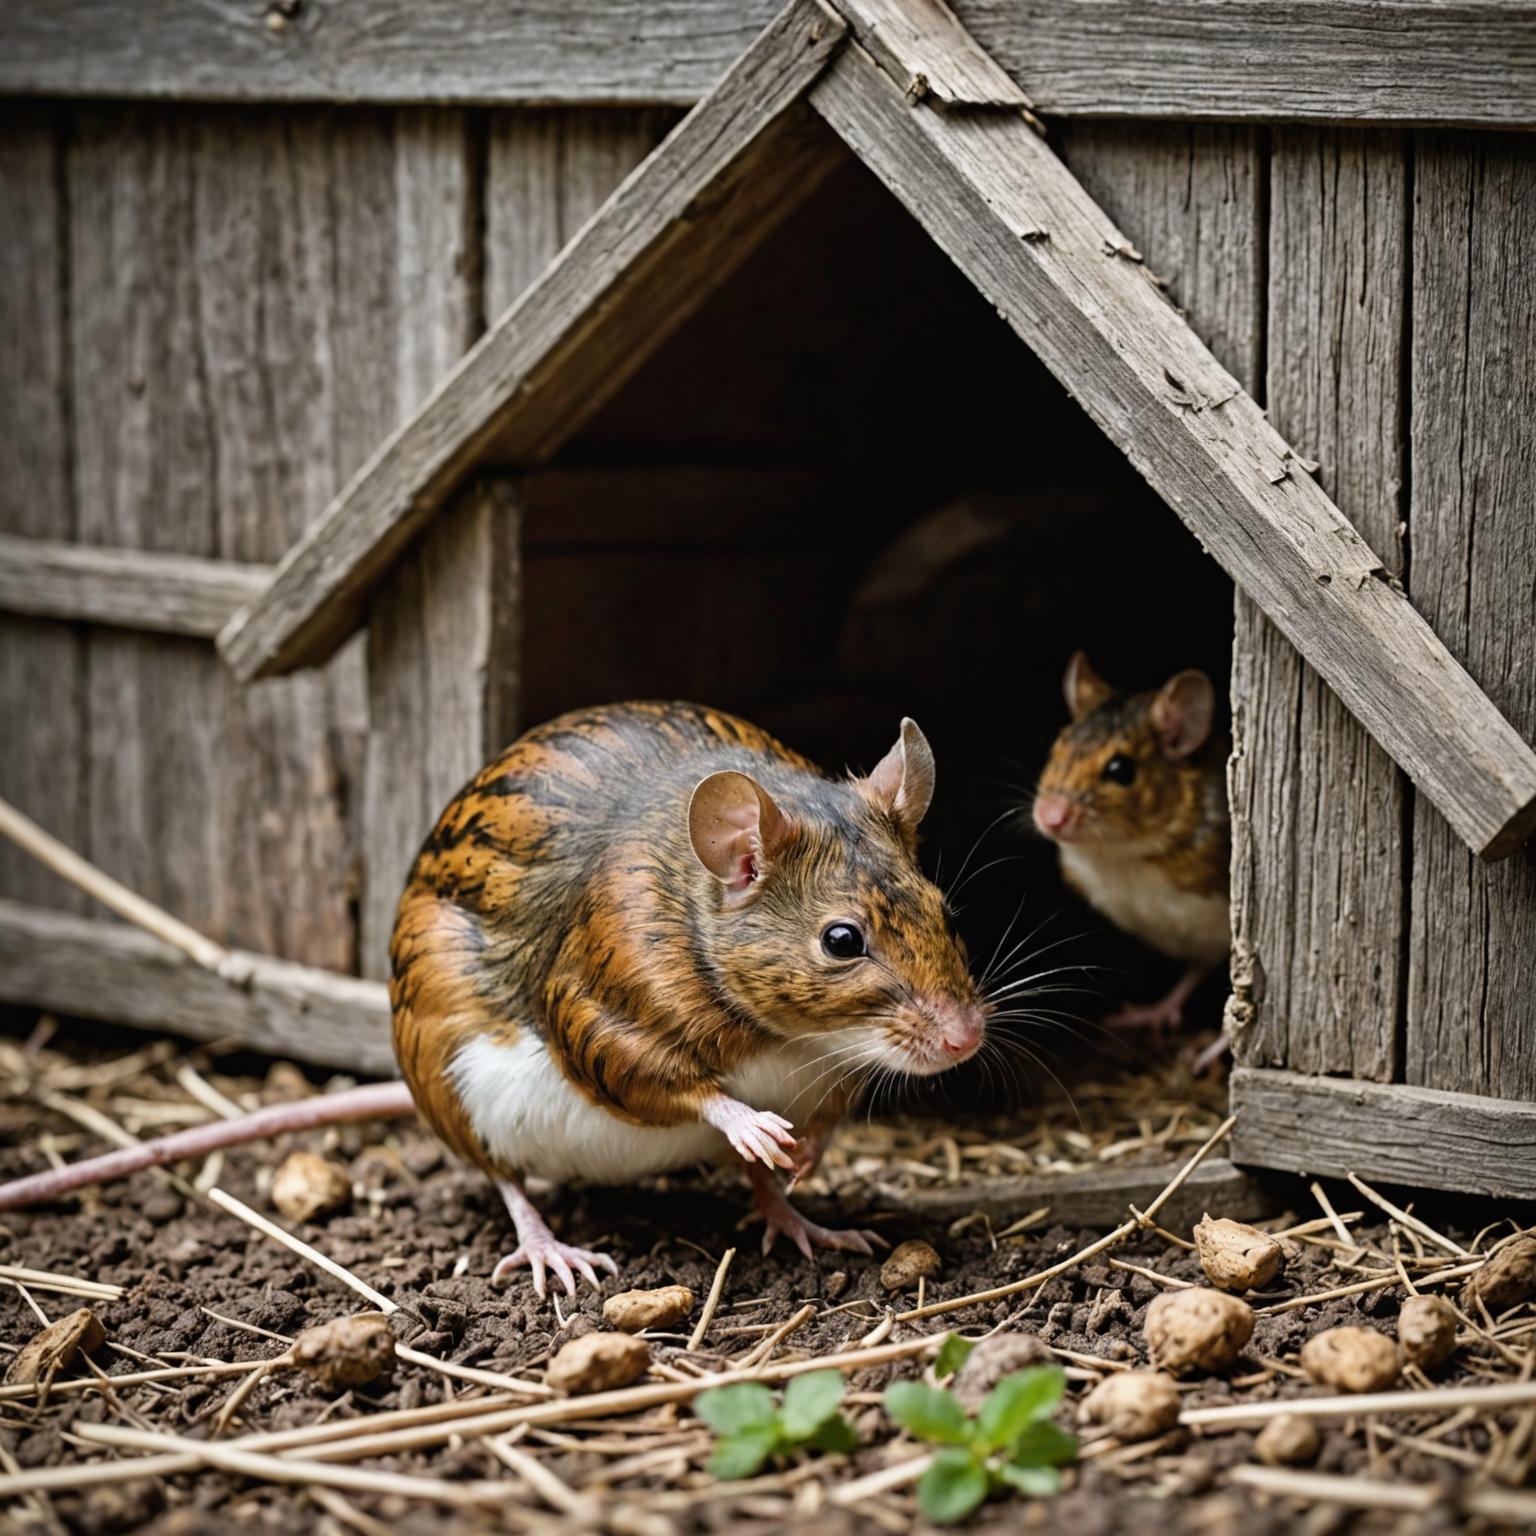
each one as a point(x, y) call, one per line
point(835, 1435)
point(743, 1453)
point(953, 1353)
point(952, 1487)
point(809, 1401)
point(1016, 1402)
point(729, 1409)
point(1043, 1444)
point(1037, 1482)
point(929, 1413)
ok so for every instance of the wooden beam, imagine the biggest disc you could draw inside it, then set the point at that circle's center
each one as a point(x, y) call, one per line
point(1404, 1135)
point(1025, 233)
point(1385, 61)
point(1319, 858)
point(107, 970)
point(129, 588)
point(668, 236)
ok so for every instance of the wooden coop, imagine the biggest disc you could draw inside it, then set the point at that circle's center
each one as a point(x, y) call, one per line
point(453, 365)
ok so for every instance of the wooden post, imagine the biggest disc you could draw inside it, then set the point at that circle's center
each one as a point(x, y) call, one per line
point(1472, 972)
point(42, 664)
point(1319, 855)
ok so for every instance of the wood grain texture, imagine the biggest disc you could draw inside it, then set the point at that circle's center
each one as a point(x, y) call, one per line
point(443, 672)
point(170, 594)
point(240, 336)
point(1419, 1137)
point(930, 55)
point(1446, 61)
point(1472, 973)
point(1024, 232)
point(445, 631)
point(99, 969)
point(1189, 199)
point(42, 665)
point(429, 628)
point(1319, 857)
point(669, 236)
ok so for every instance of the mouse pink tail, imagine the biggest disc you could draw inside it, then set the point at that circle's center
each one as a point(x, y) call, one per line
point(374, 1101)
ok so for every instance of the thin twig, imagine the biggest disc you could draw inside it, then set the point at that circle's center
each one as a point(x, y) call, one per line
point(48, 1280)
point(1439, 1399)
point(1360, 1287)
point(1411, 1222)
point(116, 897)
point(763, 1352)
point(712, 1301)
point(227, 1202)
point(1365, 1493)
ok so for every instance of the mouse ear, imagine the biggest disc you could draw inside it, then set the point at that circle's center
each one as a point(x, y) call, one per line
point(1182, 713)
point(735, 829)
point(1082, 687)
point(902, 780)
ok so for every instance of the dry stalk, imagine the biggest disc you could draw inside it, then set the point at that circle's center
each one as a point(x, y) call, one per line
point(1363, 1493)
point(1412, 1223)
point(1352, 1404)
point(711, 1301)
point(227, 1202)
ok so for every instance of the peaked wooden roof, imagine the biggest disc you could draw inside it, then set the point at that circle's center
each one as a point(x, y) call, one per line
point(949, 134)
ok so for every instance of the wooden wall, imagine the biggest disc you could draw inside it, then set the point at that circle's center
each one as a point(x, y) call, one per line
point(212, 315)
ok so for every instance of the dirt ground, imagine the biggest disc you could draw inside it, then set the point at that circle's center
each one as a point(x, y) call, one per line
point(199, 1285)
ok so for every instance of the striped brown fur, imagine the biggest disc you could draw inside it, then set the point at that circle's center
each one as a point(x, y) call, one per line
point(560, 894)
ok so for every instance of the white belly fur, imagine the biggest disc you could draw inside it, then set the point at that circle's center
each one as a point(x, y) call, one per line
point(533, 1118)
point(1135, 896)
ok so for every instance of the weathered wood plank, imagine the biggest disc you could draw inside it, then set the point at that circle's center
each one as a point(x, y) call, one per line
point(98, 969)
point(1024, 232)
point(1423, 1137)
point(240, 342)
point(201, 265)
point(1319, 857)
point(170, 594)
point(668, 237)
point(1189, 199)
point(443, 673)
point(1472, 971)
point(427, 633)
point(932, 57)
point(42, 675)
point(443, 662)
point(1425, 61)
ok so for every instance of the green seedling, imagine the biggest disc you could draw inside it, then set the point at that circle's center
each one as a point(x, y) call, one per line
point(1010, 1442)
point(751, 1429)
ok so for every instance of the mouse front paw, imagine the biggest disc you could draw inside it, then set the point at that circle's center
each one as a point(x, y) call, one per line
point(759, 1135)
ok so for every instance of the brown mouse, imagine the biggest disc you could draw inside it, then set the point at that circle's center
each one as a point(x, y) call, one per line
point(648, 934)
point(1134, 795)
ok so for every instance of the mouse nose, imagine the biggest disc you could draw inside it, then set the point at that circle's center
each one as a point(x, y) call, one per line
point(962, 1026)
point(1053, 813)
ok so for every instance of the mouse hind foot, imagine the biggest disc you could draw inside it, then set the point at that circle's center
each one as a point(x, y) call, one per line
point(781, 1219)
point(539, 1249)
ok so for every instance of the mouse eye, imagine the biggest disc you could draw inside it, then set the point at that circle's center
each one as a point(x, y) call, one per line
point(1121, 769)
point(842, 941)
